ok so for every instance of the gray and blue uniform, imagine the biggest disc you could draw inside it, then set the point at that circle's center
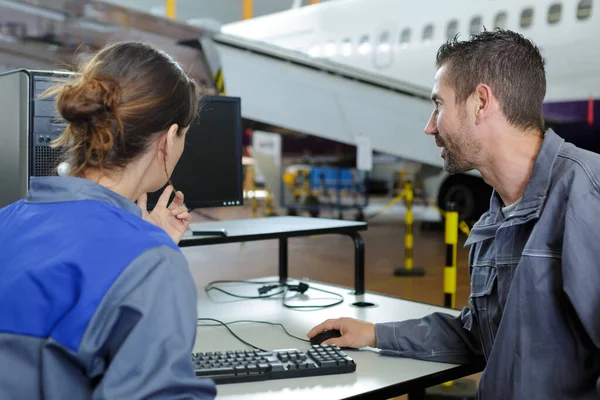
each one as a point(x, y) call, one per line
point(95, 302)
point(534, 309)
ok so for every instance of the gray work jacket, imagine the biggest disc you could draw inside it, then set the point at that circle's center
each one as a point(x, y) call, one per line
point(95, 302)
point(534, 309)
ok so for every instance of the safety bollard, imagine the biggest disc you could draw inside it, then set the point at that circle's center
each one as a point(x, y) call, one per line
point(253, 200)
point(461, 388)
point(451, 249)
point(269, 211)
point(409, 268)
point(451, 240)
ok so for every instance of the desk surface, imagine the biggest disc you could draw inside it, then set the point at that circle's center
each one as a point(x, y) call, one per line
point(374, 373)
point(267, 228)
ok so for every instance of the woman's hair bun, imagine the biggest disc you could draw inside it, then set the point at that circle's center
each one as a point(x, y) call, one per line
point(90, 106)
point(88, 99)
point(121, 100)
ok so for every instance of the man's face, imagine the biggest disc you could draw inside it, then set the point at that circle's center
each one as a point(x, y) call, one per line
point(450, 125)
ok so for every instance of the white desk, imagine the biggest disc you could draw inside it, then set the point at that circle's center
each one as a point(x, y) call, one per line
point(281, 228)
point(375, 377)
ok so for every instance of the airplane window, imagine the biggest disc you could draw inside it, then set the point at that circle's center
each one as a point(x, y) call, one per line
point(500, 21)
point(314, 50)
point(384, 42)
point(476, 24)
point(452, 29)
point(526, 17)
point(405, 36)
point(346, 47)
point(554, 13)
point(584, 9)
point(329, 49)
point(428, 32)
point(364, 45)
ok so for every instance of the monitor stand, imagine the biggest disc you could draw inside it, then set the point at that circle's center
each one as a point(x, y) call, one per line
point(216, 232)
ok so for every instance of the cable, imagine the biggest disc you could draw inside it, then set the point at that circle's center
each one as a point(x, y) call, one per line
point(242, 281)
point(340, 301)
point(244, 297)
point(273, 285)
point(255, 322)
point(301, 287)
point(236, 336)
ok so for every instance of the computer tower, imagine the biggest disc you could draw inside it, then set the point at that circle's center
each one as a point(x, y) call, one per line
point(27, 127)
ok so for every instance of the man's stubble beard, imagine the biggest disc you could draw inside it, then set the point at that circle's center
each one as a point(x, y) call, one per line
point(461, 152)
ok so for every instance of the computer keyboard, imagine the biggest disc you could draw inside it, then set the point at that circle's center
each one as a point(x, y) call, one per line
point(257, 365)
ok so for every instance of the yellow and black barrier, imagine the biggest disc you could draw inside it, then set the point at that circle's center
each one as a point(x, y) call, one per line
point(463, 226)
point(451, 240)
point(250, 187)
point(463, 388)
point(269, 210)
point(387, 205)
point(409, 269)
point(219, 82)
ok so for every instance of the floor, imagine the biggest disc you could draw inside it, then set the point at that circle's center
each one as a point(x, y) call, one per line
point(330, 258)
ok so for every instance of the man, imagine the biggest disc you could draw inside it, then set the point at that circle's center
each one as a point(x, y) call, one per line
point(535, 256)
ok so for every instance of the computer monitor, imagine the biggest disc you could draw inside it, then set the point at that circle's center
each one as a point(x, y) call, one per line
point(209, 172)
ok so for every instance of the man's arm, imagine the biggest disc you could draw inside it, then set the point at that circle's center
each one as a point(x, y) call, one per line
point(436, 337)
point(580, 257)
point(144, 331)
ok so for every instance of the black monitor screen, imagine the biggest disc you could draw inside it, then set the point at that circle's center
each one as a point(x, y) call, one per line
point(209, 172)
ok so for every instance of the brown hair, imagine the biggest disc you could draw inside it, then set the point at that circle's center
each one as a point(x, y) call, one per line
point(122, 98)
point(506, 61)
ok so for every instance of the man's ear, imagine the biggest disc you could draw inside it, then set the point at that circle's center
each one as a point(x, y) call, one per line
point(483, 102)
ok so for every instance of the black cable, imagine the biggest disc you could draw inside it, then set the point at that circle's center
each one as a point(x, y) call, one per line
point(236, 336)
point(242, 281)
point(340, 301)
point(274, 284)
point(301, 287)
point(258, 322)
point(245, 297)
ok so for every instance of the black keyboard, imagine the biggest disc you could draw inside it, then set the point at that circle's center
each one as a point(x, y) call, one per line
point(256, 365)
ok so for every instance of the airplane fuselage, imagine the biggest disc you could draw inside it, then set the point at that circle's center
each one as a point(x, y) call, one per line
point(400, 39)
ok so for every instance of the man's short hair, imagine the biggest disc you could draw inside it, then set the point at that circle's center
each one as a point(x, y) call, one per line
point(509, 64)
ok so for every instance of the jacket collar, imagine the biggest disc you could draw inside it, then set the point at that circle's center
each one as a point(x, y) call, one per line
point(534, 197)
point(54, 189)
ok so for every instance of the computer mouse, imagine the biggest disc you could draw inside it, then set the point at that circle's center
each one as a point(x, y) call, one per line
point(323, 336)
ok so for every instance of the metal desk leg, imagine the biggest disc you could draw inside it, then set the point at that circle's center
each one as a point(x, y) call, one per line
point(283, 260)
point(417, 395)
point(359, 263)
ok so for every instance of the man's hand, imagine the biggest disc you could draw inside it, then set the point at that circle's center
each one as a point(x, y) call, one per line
point(355, 333)
point(174, 219)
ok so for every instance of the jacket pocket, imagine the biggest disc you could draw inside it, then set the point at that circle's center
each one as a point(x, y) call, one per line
point(484, 303)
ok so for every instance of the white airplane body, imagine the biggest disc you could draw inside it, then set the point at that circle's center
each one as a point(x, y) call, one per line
point(400, 39)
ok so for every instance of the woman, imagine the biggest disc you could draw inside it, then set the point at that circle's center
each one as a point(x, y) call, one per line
point(96, 299)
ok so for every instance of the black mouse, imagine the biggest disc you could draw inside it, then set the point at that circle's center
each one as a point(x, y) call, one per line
point(326, 334)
